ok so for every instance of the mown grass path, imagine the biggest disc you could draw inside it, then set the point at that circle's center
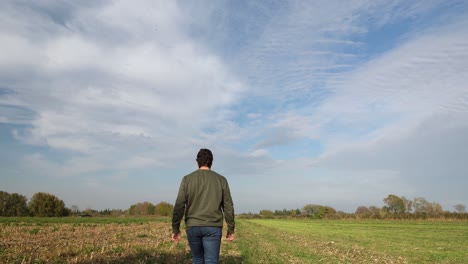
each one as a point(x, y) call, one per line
point(343, 241)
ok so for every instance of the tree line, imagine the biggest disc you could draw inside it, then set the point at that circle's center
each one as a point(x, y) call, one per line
point(48, 205)
point(41, 204)
point(395, 207)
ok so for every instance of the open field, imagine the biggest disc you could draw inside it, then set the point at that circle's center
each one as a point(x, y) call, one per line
point(354, 241)
point(147, 240)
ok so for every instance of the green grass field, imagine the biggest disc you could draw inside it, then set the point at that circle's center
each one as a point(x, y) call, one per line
point(354, 241)
point(147, 240)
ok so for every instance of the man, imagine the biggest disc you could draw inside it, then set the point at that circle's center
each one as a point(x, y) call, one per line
point(204, 197)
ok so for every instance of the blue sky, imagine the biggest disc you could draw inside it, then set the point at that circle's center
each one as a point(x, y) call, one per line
point(340, 103)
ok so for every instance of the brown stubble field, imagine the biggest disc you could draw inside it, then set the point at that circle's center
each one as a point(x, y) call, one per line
point(125, 242)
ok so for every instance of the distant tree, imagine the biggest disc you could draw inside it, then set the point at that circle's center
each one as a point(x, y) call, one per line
point(319, 211)
point(395, 205)
point(164, 209)
point(293, 212)
point(408, 205)
point(343, 215)
point(363, 212)
point(375, 211)
point(133, 210)
point(435, 209)
point(3, 202)
point(148, 208)
point(45, 204)
point(266, 213)
point(106, 211)
point(424, 208)
point(329, 212)
point(460, 208)
point(310, 209)
point(421, 205)
point(13, 204)
point(282, 213)
point(17, 205)
point(145, 208)
point(89, 212)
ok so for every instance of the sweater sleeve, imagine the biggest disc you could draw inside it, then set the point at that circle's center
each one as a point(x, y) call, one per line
point(179, 208)
point(228, 208)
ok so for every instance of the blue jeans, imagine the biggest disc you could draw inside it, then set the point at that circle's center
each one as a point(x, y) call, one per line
point(205, 242)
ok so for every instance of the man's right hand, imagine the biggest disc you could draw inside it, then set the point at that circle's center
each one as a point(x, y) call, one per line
point(176, 237)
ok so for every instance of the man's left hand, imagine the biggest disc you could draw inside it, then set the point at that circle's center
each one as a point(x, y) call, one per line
point(230, 237)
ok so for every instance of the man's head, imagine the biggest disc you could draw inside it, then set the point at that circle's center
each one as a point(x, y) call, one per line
point(204, 158)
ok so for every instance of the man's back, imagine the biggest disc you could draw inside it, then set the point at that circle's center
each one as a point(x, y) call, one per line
point(205, 195)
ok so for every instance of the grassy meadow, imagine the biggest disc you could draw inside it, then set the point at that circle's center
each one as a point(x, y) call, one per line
point(354, 241)
point(147, 240)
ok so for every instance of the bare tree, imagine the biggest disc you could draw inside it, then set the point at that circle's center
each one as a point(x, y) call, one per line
point(460, 208)
point(421, 205)
point(408, 205)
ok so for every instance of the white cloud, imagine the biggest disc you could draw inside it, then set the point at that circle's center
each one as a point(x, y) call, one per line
point(139, 86)
point(72, 53)
point(400, 89)
point(17, 51)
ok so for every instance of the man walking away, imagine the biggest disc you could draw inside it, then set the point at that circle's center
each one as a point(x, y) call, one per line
point(204, 197)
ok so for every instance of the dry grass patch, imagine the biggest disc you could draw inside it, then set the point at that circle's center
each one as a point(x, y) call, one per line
point(100, 242)
point(91, 243)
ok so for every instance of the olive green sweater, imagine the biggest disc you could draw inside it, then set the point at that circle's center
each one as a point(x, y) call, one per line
point(203, 197)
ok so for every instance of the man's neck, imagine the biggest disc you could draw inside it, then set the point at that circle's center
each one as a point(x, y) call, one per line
point(204, 168)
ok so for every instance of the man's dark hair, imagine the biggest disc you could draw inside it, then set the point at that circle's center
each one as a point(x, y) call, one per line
point(204, 158)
